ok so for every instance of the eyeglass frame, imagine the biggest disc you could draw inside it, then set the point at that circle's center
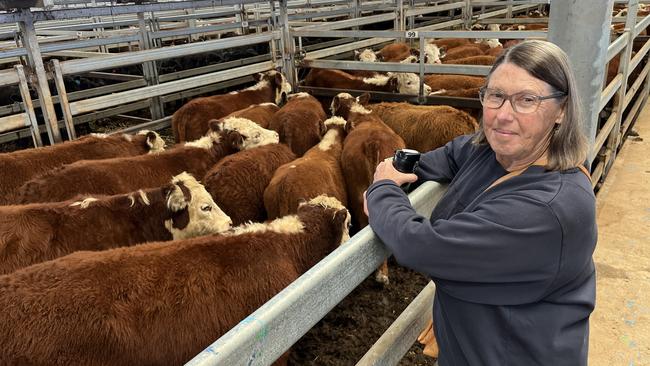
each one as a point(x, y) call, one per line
point(509, 97)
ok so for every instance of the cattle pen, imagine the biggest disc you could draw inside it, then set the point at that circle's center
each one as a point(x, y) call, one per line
point(73, 67)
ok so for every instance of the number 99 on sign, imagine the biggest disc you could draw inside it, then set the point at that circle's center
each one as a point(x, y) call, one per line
point(411, 34)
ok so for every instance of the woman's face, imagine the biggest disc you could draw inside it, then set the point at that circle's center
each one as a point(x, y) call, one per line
point(517, 137)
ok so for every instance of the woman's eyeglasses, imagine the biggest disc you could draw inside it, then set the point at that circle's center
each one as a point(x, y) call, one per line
point(521, 102)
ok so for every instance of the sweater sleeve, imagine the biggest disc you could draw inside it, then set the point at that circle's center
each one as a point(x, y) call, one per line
point(443, 163)
point(505, 252)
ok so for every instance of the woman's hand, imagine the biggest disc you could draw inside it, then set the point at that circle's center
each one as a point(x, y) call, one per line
point(386, 170)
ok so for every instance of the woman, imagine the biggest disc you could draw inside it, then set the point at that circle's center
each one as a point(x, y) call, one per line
point(510, 244)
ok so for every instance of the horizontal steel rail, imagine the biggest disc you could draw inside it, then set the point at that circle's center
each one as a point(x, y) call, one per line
point(13, 122)
point(433, 9)
point(425, 34)
point(8, 77)
point(641, 54)
point(137, 57)
point(110, 100)
point(617, 46)
point(636, 85)
point(479, 70)
point(642, 25)
point(603, 133)
point(610, 90)
point(59, 14)
point(347, 23)
point(267, 333)
point(632, 114)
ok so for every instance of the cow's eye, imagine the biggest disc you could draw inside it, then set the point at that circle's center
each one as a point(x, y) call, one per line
point(207, 208)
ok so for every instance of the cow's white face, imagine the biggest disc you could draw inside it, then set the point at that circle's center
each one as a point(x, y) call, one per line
point(336, 99)
point(154, 141)
point(493, 42)
point(201, 215)
point(285, 87)
point(409, 83)
point(367, 55)
point(254, 135)
point(432, 53)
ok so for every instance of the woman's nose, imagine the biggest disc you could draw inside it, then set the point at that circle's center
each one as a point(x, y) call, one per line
point(506, 111)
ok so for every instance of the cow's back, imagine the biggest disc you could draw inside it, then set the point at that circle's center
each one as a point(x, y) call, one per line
point(20, 166)
point(237, 182)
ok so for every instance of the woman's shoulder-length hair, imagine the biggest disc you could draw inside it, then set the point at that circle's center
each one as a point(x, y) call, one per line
point(547, 62)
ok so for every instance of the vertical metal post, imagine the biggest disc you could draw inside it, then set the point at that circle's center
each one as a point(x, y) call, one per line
point(149, 69)
point(582, 31)
point(63, 99)
point(35, 60)
point(191, 23)
point(273, 26)
point(614, 138)
point(28, 105)
point(467, 14)
point(288, 47)
point(421, 63)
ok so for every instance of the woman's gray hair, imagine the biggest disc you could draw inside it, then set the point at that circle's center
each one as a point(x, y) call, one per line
point(547, 62)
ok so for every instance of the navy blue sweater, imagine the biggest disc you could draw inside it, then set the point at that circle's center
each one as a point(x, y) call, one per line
point(515, 280)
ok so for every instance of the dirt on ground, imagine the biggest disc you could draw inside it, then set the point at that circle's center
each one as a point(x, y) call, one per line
point(355, 324)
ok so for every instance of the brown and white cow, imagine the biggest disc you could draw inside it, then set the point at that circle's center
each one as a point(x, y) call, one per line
point(39, 232)
point(190, 122)
point(317, 172)
point(300, 122)
point(238, 181)
point(158, 303)
point(20, 166)
point(425, 127)
point(369, 141)
point(405, 83)
point(123, 175)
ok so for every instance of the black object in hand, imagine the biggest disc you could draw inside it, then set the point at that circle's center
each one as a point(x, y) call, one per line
point(405, 160)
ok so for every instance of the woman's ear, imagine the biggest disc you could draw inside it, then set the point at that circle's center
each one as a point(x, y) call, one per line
point(560, 117)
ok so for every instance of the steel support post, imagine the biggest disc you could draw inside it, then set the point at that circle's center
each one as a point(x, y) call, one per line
point(614, 139)
point(288, 47)
point(28, 105)
point(582, 31)
point(149, 70)
point(467, 14)
point(35, 60)
point(63, 99)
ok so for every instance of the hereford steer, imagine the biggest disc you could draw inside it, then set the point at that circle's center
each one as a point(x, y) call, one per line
point(405, 83)
point(190, 122)
point(317, 172)
point(158, 303)
point(20, 166)
point(369, 141)
point(237, 182)
point(300, 122)
point(42, 231)
point(122, 175)
point(425, 127)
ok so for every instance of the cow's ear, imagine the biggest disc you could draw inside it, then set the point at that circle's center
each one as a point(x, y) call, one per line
point(258, 76)
point(278, 78)
point(356, 54)
point(215, 125)
point(176, 198)
point(364, 98)
point(151, 139)
point(378, 55)
point(392, 83)
point(348, 127)
point(335, 105)
point(340, 216)
point(322, 128)
point(236, 140)
point(443, 52)
point(415, 52)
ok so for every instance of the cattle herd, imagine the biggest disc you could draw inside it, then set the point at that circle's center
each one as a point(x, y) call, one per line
point(115, 250)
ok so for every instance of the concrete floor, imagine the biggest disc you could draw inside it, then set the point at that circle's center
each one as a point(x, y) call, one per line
point(620, 327)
